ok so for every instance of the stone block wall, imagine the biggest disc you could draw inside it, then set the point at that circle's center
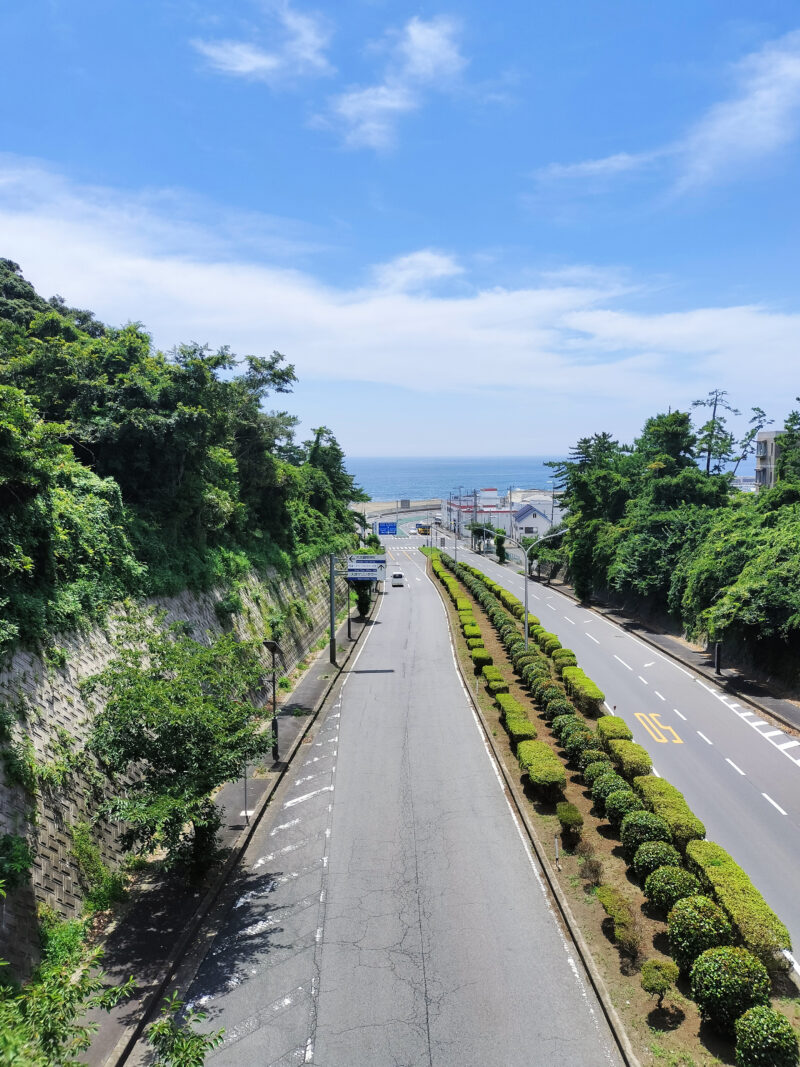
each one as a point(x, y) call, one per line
point(50, 710)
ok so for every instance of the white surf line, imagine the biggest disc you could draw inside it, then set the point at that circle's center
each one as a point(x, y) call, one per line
point(738, 769)
point(704, 738)
point(592, 638)
point(772, 802)
point(679, 714)
point(622, 661)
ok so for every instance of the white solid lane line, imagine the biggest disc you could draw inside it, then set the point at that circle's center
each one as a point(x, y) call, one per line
point(772, 802)
point(739, 769)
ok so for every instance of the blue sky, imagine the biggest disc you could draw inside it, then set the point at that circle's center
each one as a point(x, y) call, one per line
point(472, 228)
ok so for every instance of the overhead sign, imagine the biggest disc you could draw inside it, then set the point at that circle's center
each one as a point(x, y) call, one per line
point(366, 557)
point(387, 528)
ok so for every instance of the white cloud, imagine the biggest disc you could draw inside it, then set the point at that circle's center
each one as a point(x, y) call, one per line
point(416, 270)
point(423, 56)
point(761, 117)
point(301, 52)
point(567, 343)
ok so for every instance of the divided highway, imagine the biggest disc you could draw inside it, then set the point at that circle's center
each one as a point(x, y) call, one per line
point(389, 910)
point(739, 774)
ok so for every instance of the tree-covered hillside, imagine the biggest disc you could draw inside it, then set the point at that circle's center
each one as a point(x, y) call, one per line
point(125, 471)
point(650, 522)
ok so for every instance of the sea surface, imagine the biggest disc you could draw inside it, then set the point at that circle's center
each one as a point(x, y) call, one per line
point(420, 478)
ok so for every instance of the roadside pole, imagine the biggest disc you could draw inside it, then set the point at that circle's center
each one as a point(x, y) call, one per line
point(333, 611)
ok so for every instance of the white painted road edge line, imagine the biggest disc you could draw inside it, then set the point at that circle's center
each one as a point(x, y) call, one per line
point(772, 802)
point(791, 960)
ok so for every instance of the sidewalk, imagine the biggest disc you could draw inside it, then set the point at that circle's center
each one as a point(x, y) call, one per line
point(164, 914)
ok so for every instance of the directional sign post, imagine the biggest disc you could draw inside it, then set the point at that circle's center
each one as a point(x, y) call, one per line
point(366, 568)
point(387, 528)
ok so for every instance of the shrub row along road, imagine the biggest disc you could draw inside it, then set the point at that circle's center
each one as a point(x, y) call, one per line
point(390, 911)
point(739, 774)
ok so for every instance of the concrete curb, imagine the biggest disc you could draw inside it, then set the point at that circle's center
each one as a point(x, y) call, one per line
point(595, 978)
point(127, 1043)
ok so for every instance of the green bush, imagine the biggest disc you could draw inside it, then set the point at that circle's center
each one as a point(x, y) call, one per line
point(658, 977)
point(561, 722)
point(726, 982)
point(543, 767)
point(594, 771)
point(463, 604)
point(16, 860)
point(509, 706)
point(619, 803)
point(475, 642)
point(612, 728)
point(603, 785)
point(757, 924)
point(519, 728)
point(471, 630)
point(570, 818)
point(592, 755)
point(549, 692)
point(765, 1038)
point(695, 924)
point(562, 654)
point(557, 706)
point(654, 854)
point(668, 802)
point(630, 759)
point(480, 659)
point(621, 912)
point(101, 886)
point(582, 690)
point(640, 826)
point(665, 886)
point(577, 740)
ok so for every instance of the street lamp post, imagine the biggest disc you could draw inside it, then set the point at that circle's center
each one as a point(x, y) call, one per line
point(272, 646)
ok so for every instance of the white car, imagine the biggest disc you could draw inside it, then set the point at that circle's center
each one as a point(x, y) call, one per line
point(398, 578)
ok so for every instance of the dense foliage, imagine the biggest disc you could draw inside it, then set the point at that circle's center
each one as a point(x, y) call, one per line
point(127, 471)
point(658, 521)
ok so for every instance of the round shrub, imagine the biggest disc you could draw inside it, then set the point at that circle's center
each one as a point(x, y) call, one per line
point(570, 818)
point(549, 692)
point(592, 755)
point(594, 770)
point(560, 723)
point(696, 924)
point(640, 826)
point(575, 741)
point(665, 886)
point(765, 1038)
point(606, 784)
point(558, 706)
point(620, 802)
point(726, 982)
point(658, 977)
point(654, 854)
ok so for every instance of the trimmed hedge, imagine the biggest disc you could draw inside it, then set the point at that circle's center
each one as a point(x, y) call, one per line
point(471, 630)
point(654, 854)
point(605, 784)
point(630, 759)
point(620, 910)
point(582, 690)
point(592, 755)
point(757, 924)
point(594, 771)
point(508, 705)
point(619, 803)
point(726, 982)
point(668, 802)
point(640, 826)
point(543, 767)
point(665, 886)
point(612, 728)
point(765, 1038)
point(480, 658)
point(475, 642)
point(520, 728)
point(695, 924)
point(462, 604)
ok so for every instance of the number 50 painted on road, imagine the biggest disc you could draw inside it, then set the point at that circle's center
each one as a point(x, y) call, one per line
point(657, 730)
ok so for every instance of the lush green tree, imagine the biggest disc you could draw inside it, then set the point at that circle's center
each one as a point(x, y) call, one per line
point(176, 718)
point(714, 440)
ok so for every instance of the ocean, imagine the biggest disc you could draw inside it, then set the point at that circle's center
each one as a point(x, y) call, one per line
point(421, 478)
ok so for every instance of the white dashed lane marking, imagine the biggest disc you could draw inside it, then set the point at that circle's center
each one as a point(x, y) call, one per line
point(772, 802)
point(739, 769)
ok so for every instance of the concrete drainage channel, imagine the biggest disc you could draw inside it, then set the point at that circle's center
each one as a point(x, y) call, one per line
point(190, 950)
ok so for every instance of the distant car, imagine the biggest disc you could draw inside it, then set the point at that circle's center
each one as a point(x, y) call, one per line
point(398, 578)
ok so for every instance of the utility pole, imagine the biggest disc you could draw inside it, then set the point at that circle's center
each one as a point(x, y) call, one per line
point(332, 648)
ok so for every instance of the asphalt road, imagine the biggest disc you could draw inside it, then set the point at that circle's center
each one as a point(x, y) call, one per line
point(740, 774)
point(390, 911)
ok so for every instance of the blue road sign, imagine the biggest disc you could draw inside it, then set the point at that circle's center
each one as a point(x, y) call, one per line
point(387, 528)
